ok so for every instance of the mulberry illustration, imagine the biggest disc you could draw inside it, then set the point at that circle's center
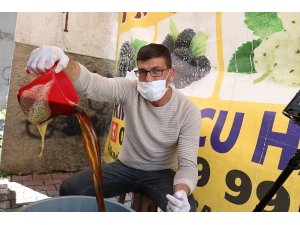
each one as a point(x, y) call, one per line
point(202, 62)
point(186, 73)
point(169, 43)
point(278, 56)
point(184, 38)
point(183, 54)
point(126, 60)
point(188, 57)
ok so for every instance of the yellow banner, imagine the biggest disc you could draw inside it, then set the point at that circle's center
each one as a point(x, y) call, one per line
point(245, 141)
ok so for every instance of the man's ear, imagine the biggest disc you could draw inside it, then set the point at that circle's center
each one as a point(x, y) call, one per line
point(171, 75)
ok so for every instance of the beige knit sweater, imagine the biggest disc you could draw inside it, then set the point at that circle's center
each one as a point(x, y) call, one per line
point(155, 138)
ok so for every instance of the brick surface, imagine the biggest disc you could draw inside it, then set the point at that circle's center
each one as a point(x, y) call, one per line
point(42, 177)
point(43, 192)
point(4, 189)
point(33, 182)
point(52, 193)
point(21, 178)
point(13, 203)
point(3, 186)
point(5, 205)
point(62, 176)
point(7, 197)
point(48, 182)
point(19, 182)
point(45, 188)
point(57, 186)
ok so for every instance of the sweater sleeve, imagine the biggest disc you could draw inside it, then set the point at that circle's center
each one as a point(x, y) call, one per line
point(99, 88)
point(188, 145)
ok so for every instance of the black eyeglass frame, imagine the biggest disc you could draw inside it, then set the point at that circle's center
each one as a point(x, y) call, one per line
point(151, 72)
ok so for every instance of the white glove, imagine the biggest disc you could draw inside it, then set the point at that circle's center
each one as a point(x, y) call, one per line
point(44, 57)
point(178, 202)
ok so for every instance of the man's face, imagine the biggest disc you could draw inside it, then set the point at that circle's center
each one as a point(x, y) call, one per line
point(158, 69)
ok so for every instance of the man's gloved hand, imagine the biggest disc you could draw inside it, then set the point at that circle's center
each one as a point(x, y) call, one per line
point(44, 57)
point(178, 202)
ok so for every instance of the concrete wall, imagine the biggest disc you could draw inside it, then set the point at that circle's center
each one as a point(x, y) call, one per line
point(92, 34)
point(64, 149)
point(7, 32)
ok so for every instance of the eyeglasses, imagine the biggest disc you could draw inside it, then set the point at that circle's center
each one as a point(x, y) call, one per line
point(155, 72)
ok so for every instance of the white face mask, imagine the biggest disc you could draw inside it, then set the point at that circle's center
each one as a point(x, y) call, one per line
point(153, 90)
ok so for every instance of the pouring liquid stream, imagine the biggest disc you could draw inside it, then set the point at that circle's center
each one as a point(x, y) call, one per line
point(92, 149)
point(42, 127)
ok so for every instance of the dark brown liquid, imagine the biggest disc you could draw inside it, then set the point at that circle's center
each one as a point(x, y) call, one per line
point(92, 149)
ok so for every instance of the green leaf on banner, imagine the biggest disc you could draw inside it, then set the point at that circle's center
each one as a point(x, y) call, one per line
point(173, 30)
point(263, 24)
point(137, 44)
point(198, 44)
point(242, 60)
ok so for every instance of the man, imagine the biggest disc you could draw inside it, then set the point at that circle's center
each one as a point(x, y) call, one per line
point(159, 150)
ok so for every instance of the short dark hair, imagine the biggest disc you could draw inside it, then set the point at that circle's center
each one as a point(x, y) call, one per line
point(154, 51)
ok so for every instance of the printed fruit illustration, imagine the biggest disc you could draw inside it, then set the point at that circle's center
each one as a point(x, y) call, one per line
point(126, 60)
point(127, 56)
point(278, 56)
point(188, 55)
point(276, 52)
point(187, 50)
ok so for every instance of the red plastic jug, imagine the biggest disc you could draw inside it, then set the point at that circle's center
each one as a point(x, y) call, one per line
point(49, 95)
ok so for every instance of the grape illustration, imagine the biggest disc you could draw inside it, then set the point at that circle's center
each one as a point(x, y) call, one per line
point(126, 60)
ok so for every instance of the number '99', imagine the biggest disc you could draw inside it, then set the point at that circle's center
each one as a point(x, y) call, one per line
point(239, 188)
